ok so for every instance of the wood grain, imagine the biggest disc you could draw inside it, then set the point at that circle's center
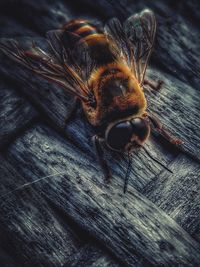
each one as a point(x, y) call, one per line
point(28, 227)
point(177, 106)
point(105, 213)
point(90, 256)
point(15, 113)
point(178, 195)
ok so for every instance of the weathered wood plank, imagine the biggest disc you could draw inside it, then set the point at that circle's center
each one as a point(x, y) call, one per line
point(48, 99)
point(177, 106)
point(130, 226)
point(15, 113)
point(177, 46)
point(178, 193)
point(90, 256)
point(29, 229)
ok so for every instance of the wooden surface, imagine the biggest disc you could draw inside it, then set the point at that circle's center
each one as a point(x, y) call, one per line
point(56, 209)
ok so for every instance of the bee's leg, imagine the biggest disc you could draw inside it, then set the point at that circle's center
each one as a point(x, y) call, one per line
point(162, 131)
point(98, 141)
point(154, 85)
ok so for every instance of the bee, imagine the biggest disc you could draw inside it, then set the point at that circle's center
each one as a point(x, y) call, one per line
point(105, 70)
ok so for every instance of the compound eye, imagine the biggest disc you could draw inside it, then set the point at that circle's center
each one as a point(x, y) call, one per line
point(140, 128)
point(119, 135)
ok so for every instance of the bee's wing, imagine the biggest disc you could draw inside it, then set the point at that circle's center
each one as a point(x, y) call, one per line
point(118, 40)
point(30, 53)
point(140, 30)
point(134, 39)
point(70, 50)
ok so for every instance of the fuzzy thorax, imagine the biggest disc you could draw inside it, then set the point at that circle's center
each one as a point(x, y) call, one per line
point(117, 93)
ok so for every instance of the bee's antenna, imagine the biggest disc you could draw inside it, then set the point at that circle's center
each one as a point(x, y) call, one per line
point(156, 160)
point(30, 183)
point(127, 171)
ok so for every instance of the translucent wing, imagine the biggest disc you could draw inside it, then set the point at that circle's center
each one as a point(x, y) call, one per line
point(75, 51)
point(39, 58)
point(134, 40)
point(140, 30)
point(72, 53)
point(118, 40)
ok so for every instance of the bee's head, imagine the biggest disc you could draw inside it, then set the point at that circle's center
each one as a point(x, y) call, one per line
point(126, 134)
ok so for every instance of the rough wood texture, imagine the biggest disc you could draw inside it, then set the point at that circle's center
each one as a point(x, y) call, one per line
point(29, 227)
point(90, 255)
point(57, 220)
point(178, 195)
point(15, 113)
point(102, 211)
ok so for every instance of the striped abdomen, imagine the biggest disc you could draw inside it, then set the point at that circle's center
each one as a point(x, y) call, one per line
point(95, 39)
